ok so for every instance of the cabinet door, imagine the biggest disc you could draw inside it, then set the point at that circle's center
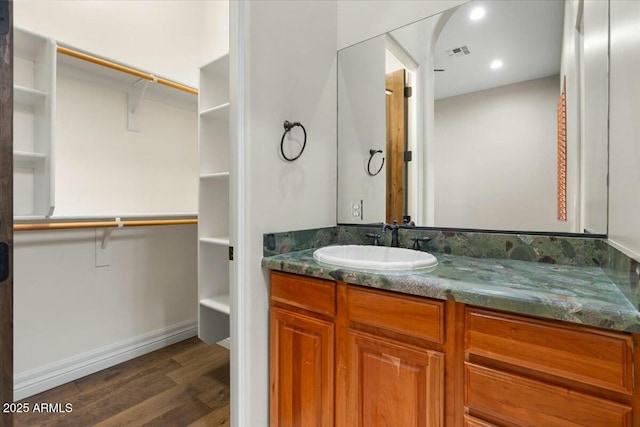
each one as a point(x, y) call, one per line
point(302, 373)
point(393, 384)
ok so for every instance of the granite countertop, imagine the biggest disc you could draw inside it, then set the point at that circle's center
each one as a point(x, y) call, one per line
point(583, 295)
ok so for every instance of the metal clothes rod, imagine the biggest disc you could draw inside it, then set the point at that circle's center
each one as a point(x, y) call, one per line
point(100, 224)
point(125, 69)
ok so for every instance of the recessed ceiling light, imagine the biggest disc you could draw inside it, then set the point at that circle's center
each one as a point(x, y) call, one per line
point(477, 13)
point(496, 64)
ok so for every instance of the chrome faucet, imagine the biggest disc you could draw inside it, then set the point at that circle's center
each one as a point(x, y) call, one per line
point(394, 233)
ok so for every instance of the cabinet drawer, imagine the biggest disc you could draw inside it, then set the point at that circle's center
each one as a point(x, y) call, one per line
point(527, 402)
point(418, 317)
point(311, 294)
point(589, 356)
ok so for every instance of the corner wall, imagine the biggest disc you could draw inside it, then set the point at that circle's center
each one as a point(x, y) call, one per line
point(624, 128)
point(289, 54)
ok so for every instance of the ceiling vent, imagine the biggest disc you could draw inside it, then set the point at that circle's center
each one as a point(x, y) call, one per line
point(458, 51)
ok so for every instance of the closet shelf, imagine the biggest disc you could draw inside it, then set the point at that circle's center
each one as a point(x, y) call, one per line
point(214, 175)
point(219, 112)
point(26, 156)
point(218, 303)
point(27, 96)
point(223, 241)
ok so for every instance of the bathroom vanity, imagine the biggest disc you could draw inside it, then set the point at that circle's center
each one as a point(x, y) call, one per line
point(457, 346)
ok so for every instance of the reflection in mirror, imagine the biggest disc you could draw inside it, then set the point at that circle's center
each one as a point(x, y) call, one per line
point(464, 106)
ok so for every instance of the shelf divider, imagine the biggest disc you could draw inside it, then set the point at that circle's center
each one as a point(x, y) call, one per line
point(222, 241)
point(27, 96)
point(218, 303)
point(25, 156)
point(214, 175)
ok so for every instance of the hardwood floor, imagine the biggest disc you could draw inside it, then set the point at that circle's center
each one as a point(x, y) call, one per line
point(186, 384)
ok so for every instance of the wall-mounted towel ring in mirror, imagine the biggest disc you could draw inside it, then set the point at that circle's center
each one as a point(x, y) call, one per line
point(287, 127)
point(372, 153)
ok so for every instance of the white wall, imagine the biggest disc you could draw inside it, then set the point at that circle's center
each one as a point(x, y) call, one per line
point(359, 20)
point(103, 168)
point(362, 118)
point(624, 149)
point(214, 20)
point(164, 37)
point(489, 174)
point(290, 74)
point(65, 306)
point(595, 102)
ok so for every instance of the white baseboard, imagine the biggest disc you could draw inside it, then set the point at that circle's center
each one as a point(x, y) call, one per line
point(55, 374)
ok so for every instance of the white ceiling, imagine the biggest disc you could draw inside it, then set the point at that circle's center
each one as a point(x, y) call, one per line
point(525, 35)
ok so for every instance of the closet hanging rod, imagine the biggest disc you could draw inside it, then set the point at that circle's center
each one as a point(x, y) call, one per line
point(100, 224)
point(123, 68)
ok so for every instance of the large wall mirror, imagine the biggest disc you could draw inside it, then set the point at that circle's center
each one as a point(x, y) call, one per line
point(492, 115)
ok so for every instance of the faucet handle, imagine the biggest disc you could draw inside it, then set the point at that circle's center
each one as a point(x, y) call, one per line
point(375, 237)
point(417, 240)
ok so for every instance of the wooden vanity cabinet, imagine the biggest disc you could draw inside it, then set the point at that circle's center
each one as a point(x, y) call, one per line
point(350, 356)
point(389, 356)
point(302, 351)
point(529, 372)
point(391, 365)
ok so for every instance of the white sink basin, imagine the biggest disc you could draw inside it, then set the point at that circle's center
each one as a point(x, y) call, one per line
point(374, 257)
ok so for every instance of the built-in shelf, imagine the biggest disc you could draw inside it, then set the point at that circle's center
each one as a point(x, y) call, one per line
point(27, 96)
point(218, 303)
point(214, 175)
point(222, 241)
point(34, 96)
point(25, 156)
point(213, 202)
point(219, 112)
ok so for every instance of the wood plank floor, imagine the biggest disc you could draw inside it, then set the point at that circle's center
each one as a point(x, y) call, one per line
point(186, 384)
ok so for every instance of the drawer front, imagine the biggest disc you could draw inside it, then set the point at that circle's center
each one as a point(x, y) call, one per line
point(588, 356)
point(311, 294)
point(417, 317)
point(527, 402)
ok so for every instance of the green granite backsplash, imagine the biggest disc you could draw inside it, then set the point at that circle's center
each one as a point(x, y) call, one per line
point(291, 241)
point(577, 251)
point(624, 272)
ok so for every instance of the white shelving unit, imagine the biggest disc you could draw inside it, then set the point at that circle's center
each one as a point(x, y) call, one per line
point(213, 203)
point(33, 121)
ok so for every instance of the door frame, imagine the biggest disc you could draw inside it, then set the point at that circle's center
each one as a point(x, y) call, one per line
point(6, 206)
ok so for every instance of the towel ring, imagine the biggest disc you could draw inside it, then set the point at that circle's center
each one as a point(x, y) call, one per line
point(372, 153)
point(287, 127)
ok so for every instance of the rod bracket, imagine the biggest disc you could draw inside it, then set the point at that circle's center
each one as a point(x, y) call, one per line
point(135, 97)
point(106, 233)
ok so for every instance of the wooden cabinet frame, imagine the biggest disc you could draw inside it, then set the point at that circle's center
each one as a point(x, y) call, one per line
point(464, 348)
